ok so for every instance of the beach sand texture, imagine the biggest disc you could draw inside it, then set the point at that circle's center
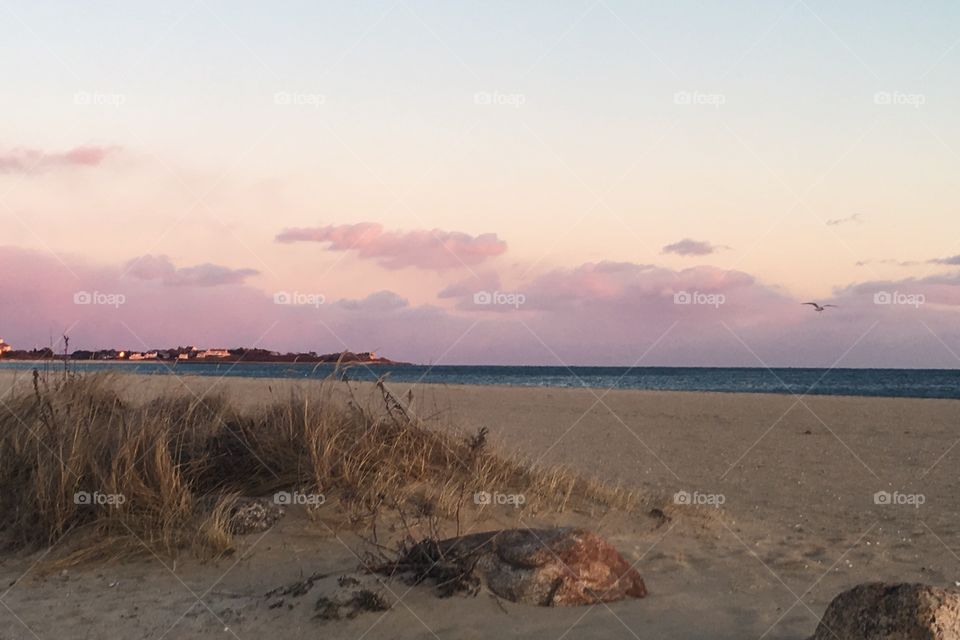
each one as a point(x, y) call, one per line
point(798, 523)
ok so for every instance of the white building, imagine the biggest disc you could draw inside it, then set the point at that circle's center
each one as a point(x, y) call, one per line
point(214, 353)
point(4, 347)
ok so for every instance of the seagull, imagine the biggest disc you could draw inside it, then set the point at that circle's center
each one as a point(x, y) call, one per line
point(819, 307)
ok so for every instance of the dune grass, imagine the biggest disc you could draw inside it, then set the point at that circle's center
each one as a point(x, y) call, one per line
point(176, 462)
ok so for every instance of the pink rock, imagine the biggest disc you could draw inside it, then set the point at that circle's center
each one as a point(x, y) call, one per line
point(547, 567)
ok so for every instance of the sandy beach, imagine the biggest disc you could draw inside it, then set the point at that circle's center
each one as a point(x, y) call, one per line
point(469, 320)
point(788, 519)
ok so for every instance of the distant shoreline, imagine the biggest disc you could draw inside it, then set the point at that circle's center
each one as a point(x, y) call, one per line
point(205, 361)
point(491, 366)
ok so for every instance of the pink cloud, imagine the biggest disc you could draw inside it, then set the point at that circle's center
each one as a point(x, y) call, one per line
point(160, 268)
point(952, 261)
point(424, 249)
point(483, 281)
point(101, 307)
point(39, 299)
point(24, 160)
point(630, 285)
point(606, 313)
point(940, 289)
point(379, 302)
point(689, 247)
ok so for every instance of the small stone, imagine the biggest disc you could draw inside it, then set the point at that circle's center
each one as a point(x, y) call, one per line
point(253, 515)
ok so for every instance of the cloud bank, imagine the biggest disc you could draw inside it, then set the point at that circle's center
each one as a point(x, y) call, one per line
point(27, 161)
point(160, 268)
point(433, 249)
point(602, 313)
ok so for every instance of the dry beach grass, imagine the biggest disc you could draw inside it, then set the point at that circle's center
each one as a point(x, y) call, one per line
point(169, 469)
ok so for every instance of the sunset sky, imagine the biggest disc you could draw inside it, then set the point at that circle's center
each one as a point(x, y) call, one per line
point(205, 163)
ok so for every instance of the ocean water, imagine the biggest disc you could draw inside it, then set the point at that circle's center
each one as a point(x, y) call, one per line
point(901, 383)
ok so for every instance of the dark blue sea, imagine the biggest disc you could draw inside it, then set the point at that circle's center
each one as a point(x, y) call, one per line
point(897, 383)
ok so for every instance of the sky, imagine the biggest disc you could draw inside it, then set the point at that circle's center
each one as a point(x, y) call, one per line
point(563, 182)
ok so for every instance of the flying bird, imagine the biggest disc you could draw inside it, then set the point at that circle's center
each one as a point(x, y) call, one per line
point(819, 307)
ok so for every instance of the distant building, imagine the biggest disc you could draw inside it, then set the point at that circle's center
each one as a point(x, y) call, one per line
point(4, 347)
point(183, 356)
point(214, 353)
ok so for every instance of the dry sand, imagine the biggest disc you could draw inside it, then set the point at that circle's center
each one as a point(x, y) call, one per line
point(798, 523)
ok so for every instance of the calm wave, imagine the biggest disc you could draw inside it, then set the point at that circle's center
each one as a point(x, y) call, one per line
point(905, 383)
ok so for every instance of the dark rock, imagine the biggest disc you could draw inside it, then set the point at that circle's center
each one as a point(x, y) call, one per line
point(878, 611)
point(661, 517)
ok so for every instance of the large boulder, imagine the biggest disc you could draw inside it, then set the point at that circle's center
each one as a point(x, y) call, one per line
point(546, 567)
point(878, 611)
